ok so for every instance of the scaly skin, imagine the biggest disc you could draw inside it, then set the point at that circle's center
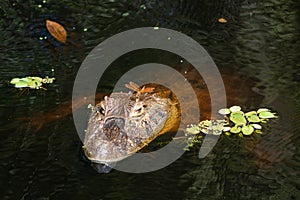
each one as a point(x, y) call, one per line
point(124, 123)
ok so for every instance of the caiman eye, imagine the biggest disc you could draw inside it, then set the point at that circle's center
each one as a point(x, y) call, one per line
point(101, 108)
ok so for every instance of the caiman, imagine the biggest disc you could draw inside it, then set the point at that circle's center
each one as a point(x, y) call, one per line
point(124, 123)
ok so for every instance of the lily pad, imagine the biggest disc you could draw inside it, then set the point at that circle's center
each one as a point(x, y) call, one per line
point(205, 123)
point(253, 118)
point(34, 84)
point(36, 78)
point(26, 79)
point(235, 129)
point(216, 132)
point(21, 84)
point(14, 80)
point(235, 108)
point(247, 130)
point(217, 128)
point(31, 82)
point(193, 130)
point(250, 113)
point(238, 118)
point(226, 128)
point(266, 115)
point(227, 133)
point(262, 110)
point(256, 126)
point(224, 111)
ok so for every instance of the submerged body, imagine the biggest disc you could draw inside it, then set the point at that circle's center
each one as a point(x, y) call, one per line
point(123, 123)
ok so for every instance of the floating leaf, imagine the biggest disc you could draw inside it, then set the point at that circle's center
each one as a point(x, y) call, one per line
point(57, 31)
point(226, 128)
point(26, 79)
point(214, 127)
point(21, 84)
point(262, 110)
point(217, 125)
point(264, 121)
point(235, 129)
point(247, 130)
point(251, 113)
point(216, 132)
point(30, 82)
point(256, 126)
point(34, 84)
point(235, 108)
point(253, 118)
point(222, 20)
point(227, 133)
point(38, 79)
point(238, 118)
point(14, 80)
point(205, 123)
point(266, 115)
point(193, 130)
point(224, 111)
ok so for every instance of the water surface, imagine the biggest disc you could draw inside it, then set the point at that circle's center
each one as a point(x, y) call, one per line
point(257, 52)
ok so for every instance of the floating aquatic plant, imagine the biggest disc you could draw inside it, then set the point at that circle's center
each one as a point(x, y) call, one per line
point(33, 82)
point(245, 123)
point(235, 122)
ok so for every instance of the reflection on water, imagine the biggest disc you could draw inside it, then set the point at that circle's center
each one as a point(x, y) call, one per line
point(256, 52)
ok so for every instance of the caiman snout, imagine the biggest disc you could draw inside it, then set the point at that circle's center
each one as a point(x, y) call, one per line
point(113, 128)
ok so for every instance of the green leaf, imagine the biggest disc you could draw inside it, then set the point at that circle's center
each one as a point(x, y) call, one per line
point(193, 130)
point(247, 130)
point(266, 115)
point(238, 118)
point(34, 84)
point(250, 113)
point(21, 84)
point(227, 133)
point(253, 118)
point(14, 80)
point(38, 79)
point(26, 79)
point(235, 129)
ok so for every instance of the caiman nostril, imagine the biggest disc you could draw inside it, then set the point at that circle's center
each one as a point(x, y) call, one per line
point(111, 122)
point(112, 127)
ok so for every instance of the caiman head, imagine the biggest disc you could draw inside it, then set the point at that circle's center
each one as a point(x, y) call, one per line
point(123, 123)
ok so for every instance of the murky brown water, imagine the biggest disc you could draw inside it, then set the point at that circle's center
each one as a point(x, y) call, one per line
point(257, 52)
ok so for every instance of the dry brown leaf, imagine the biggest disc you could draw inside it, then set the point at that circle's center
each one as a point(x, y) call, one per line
point(222, 20)
point(147, 90)
point(57, 31)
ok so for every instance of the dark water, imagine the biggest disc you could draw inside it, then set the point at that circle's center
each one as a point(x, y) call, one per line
point(257, 52)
